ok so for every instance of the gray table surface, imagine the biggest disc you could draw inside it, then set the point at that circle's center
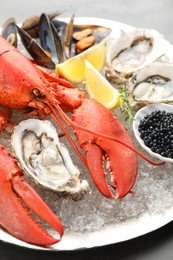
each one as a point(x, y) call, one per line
point(157, 14)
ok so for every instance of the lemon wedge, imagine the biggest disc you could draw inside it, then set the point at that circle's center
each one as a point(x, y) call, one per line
point(100, 89)
point(74, 69)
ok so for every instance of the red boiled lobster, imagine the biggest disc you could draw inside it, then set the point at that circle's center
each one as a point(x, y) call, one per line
point(34, 90)
point(14, 193)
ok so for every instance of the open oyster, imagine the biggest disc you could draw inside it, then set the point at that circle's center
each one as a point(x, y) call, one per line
point(133, 49)
point(36, 145)
point(154, 84)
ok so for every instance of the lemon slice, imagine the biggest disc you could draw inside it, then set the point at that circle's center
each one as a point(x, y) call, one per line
point(74, 69)
point(100, 89)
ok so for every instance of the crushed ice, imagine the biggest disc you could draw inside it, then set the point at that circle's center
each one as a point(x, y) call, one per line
point(153, 194)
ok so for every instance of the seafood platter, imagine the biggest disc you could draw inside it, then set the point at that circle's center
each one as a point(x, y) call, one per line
point(75, 174)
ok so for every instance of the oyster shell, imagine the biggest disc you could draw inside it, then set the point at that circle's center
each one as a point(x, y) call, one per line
point(154, 84)
point(36, 145)
point(133, 49)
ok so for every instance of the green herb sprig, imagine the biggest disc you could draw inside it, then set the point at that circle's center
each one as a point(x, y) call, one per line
point(126, 105)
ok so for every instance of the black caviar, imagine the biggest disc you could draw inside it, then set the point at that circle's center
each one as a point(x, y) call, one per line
point(156, 130)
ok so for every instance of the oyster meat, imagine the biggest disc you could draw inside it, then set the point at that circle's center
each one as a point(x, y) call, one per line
point(36, 145)
point(133, 49)
point(154, 84)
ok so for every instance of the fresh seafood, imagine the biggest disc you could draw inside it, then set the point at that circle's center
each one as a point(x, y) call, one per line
point(39, 55)
point(132, 50)
point(58, 40)
point(31, 24)
point(41, 92)
point(37, 96)
point(107, 146)
point(15, 217)
point(67, 38)
point(105, 150)
point(77, 38)
point(152, 127)
point(50, 40)
point(9, 31)
point(153, 84)
point(40, 154)
point(5, 116)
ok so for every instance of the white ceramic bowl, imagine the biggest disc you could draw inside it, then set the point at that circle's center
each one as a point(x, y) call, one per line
point(139, 116)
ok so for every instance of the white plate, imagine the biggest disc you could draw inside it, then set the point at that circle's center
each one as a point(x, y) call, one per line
point(133, 226)
point(147, 110)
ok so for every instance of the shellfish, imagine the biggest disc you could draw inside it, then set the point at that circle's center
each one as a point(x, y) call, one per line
point(9, 31)
point(154, 84)
point(36, 145)
point(133, 49)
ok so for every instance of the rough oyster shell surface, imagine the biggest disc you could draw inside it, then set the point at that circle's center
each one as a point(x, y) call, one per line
point(132, 49)
point(153, 84)
point(36, 145)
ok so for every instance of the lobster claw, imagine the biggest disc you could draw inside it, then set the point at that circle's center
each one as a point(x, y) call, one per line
point(112, 163)
point(103, 155)
point(14, 216)
point(96, 169)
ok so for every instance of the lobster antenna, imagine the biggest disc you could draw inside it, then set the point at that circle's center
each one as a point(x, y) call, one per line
point(63, 127)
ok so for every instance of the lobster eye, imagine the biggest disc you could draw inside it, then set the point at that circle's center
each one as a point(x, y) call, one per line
point(37, 93)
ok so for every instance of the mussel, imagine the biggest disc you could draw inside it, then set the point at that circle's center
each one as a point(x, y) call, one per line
point(35, 50)
point(67, 41)
point(9, 31)
point(50, 40)
point(31, 24)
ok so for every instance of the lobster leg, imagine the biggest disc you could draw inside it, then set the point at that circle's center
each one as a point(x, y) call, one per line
point(5, 115)
point(14, 216)
point(68, 96)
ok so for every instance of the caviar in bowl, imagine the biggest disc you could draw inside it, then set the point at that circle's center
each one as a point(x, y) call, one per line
point(153, 129)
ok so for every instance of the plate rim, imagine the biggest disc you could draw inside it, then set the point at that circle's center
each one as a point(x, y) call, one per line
point(163, 218)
